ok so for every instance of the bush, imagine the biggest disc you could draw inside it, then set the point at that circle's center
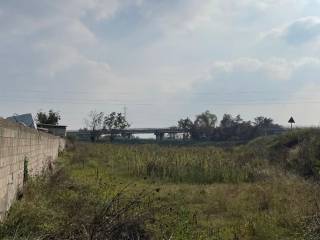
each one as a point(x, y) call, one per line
point(297, 151)
point(56, 207)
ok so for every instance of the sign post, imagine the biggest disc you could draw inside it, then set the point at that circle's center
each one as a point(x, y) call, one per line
point(291, 121)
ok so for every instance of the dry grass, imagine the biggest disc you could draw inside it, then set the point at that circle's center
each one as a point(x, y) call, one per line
point(188, 193)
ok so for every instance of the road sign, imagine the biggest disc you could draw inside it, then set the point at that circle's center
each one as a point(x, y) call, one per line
point(291, 121)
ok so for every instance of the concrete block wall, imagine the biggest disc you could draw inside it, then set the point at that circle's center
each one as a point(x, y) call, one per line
point(20, 145)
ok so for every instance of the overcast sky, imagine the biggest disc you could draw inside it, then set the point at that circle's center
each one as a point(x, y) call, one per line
point(163, 60)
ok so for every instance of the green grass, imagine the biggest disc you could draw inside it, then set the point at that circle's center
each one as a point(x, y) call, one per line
point(184, 164)
point(255, 191)
point(296, 151)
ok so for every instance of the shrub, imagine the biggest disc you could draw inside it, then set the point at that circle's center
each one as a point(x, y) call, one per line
point(56, 207)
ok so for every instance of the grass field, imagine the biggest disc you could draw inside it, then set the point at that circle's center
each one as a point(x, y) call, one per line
point(266, 189)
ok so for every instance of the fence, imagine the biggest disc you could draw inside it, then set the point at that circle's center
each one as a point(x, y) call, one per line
point(23, 150)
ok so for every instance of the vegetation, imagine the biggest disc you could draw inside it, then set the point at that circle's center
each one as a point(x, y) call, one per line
point(115, 121)
point(204, 125)
point(97, 121)
point(296, 151)
point(230, 128)
point(266, 189)
point(94, 124)
point(51, 117)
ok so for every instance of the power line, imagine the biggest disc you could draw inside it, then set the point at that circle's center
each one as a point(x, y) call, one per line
point(121, 103)
point(218, 92)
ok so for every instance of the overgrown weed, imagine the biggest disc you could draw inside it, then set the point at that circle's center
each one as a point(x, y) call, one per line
point(257, 191)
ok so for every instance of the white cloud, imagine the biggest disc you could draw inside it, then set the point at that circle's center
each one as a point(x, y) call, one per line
point(50, 44)
point(271, 76)
point(300, 31)
point(158, 49)
point(273, 69)
point(189, 15)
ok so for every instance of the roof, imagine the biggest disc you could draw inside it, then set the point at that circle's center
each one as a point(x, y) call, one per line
point(24, 119)
point(43, 129)
point(50, 125)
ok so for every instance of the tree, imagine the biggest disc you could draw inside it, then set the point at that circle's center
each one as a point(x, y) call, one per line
point(263, 122)
point(205, 124)
point(264, 125)
point(94, 123)
point(51, 117)
point(206, 120)
point(115, 121)
point(227, 121)
point(187, 125)
point(233, 127)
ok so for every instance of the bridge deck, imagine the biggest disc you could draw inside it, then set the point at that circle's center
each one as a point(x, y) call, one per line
point(144, 131)
point(133, 131)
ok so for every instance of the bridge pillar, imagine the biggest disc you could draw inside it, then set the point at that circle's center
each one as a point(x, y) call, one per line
point(186, 136)
point(126, 135)
point(159, 136)
point(172, 136)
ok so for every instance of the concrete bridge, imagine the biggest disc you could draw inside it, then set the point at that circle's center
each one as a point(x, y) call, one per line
point(158, 132)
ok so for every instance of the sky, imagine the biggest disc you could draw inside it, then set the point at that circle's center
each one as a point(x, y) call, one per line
point(161, 60)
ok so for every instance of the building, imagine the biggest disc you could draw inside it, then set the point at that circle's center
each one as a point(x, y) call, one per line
point(24, 119)
point(57, 130)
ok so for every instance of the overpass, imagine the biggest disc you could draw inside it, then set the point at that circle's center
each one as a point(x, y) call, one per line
point(158, 132)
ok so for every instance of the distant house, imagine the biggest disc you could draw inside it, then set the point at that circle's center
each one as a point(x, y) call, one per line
point(57, 130)
point(24, 119)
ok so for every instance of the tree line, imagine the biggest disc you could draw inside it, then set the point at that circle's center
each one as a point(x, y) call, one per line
point(206, 126)
point(52, 117)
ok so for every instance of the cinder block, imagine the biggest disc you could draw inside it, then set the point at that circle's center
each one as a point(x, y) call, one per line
point(17, 144)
